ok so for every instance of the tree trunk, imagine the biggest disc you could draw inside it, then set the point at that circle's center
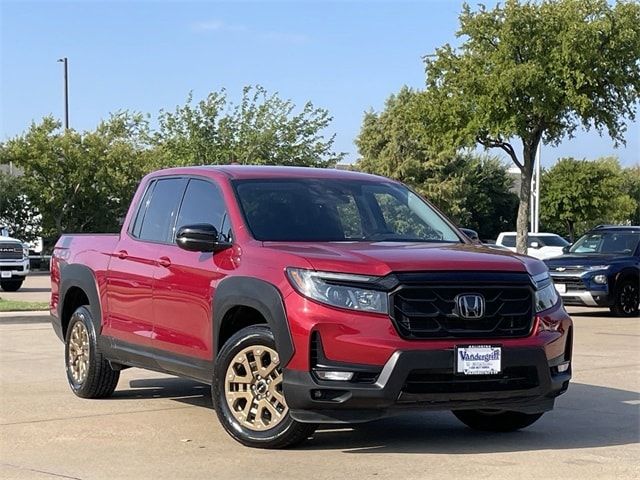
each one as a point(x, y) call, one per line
point(571, 233)
point(524, 209)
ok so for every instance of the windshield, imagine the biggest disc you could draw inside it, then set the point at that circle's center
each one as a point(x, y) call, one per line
point(607, 242)
point(553, 241)
point(321, 210)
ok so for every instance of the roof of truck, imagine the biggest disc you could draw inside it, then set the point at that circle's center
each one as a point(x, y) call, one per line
point(265, 171)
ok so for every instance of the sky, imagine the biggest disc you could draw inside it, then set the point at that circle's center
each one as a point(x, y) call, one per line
point(345, 56)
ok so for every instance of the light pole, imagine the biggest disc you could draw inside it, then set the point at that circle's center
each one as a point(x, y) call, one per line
point(65, 62)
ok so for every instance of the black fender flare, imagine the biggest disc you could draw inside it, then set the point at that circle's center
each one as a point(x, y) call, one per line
point(261, 296)
point(81, 276)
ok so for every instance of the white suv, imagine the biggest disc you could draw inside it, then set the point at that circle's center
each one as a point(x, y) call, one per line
point(541, 245)
point(14, 263)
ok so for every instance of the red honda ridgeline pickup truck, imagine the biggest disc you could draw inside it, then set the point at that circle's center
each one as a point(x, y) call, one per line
point(307, 296)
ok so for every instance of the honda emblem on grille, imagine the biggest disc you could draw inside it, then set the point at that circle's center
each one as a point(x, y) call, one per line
point(470, 306)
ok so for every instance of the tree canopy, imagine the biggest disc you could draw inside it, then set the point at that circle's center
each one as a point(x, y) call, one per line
point(16, 210)
point(531, 71)
point(576, 195)
point(80, 182)
point(262, 129)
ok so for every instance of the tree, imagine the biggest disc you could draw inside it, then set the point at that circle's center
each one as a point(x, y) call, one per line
point(17, 212)
point(80, 182)
point(576, 195)
point(631, 186)
point(473, 190)
point(534, 71)
point(262, 129)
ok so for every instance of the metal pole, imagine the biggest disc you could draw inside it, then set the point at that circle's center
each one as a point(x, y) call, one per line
point(537, 219)
point(65, 62)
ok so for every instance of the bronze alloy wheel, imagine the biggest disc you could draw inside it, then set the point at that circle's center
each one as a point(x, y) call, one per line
point(79, 352)
point(253, 388)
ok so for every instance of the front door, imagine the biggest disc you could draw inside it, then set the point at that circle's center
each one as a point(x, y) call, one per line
point(185, 283)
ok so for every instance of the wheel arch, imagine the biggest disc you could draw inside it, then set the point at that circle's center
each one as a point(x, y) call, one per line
point(78, 287)
point(237, 303)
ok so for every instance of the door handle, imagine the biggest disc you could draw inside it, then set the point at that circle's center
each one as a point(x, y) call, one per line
point(164, 262)
point(122, 254)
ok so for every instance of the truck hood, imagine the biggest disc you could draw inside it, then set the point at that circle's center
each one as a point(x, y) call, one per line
point(382, 258)
point(9, 239)
point(577, 261)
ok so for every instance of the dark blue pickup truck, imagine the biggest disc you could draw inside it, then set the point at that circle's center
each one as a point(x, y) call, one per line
point(602, 269)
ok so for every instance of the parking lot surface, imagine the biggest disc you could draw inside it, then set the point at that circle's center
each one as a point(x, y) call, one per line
point(157, 426)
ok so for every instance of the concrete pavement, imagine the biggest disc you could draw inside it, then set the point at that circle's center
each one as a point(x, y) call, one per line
point(157, 426)
point(36, 288)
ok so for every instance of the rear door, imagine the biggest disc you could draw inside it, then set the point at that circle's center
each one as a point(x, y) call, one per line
point(133, 265)
point(185, 282)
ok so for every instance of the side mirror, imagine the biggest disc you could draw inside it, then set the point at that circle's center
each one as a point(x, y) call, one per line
point(201, 237)
point(566, 248)
point(534, 245)
point(472, 234)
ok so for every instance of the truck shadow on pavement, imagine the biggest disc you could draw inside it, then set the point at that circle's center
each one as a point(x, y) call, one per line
point(181, 390)
point(587, 416)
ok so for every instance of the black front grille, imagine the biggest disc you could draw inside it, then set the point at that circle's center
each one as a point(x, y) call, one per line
point(7, 268)
point(573, 284)
point(10, 251)
point(445, 381)
point(429, 311)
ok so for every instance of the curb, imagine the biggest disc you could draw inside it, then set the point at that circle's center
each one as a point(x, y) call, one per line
point(38, 316)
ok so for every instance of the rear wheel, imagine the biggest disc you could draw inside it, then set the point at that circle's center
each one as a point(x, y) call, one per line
point(627, 299)
point(89, 374)
point(496, 420)
point(11, 285)
point(247, 392)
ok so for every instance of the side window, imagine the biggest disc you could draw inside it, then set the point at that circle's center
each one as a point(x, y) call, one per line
point(535, 239)
point(157, 225)
point(142, 210)
point(203, 203)
point(509, 241)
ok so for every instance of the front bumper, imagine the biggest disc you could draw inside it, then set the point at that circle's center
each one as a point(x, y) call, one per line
point(587, 298)
point(424, 379)
point(17, 269)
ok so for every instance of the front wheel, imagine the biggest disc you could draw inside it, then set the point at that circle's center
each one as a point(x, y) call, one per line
point(627, 299)
point(496, 420)
point(11, 285)
point(247, 392)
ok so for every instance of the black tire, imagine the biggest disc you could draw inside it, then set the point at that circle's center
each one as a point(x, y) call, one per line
point(627, 299)
point(288, 432)
point(100, 380)
point(496, 420)
point(11, 285)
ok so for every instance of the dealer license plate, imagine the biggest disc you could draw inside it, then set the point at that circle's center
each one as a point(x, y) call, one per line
point(561, 288)
point(5, 274)
point(478, 360)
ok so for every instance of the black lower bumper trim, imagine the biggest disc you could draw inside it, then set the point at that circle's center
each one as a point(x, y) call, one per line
point(421, 380)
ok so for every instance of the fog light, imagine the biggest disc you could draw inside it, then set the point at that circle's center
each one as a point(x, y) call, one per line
point(335, 376)
point(601, 279)
point(563, 367)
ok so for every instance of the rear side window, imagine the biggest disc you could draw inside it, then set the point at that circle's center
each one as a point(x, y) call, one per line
point(142, 209)
point(509, 240)
point(157, 224)
point(203, 203)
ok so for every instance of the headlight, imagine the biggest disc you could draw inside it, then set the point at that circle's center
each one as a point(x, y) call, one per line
point(596, 267)
point(333, 289)
point(546, 297)
point(600, 279)
point(25, 251)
